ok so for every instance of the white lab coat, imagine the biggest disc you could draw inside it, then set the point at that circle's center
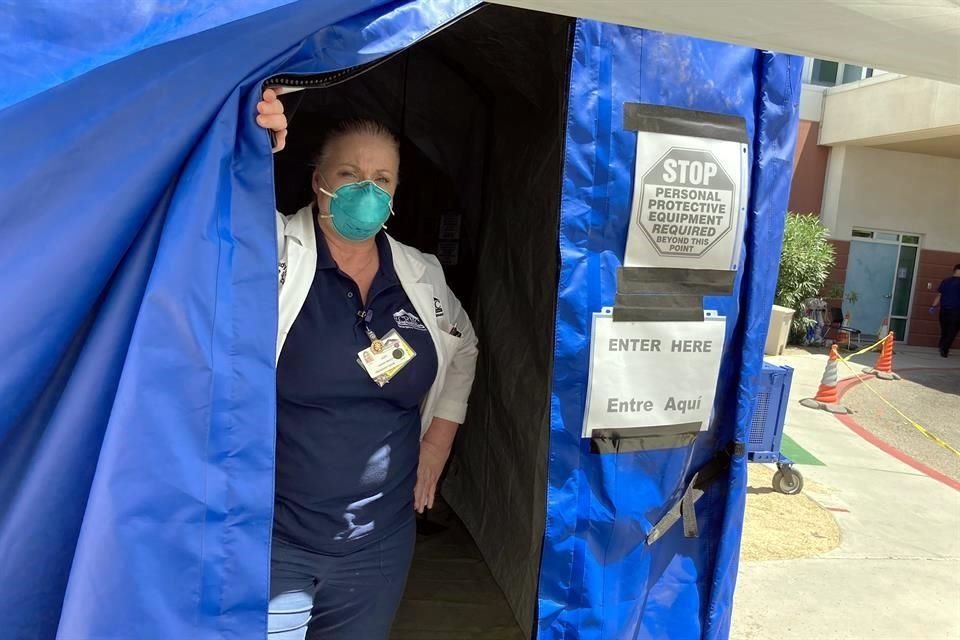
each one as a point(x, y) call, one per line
point(422, 279)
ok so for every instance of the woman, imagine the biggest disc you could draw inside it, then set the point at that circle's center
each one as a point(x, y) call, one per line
point(375, 360)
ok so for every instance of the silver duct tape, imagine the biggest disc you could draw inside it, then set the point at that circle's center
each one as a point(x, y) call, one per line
point(683, 122)
point(656, 280)
point(644, 438)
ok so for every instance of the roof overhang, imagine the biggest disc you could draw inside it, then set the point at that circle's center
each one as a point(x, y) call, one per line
point(913, 37)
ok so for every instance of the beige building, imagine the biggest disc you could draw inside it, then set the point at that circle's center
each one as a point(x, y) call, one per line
point(878, 158)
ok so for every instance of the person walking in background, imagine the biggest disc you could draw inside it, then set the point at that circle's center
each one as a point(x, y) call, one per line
point(948, 299)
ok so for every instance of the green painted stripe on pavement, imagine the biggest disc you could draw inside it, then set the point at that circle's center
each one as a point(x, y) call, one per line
point(798, 454)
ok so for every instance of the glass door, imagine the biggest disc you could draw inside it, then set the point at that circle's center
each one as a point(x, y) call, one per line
point(871, 267)
point(880, 280)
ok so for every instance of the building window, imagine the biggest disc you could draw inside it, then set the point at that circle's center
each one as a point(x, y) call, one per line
point(851, 73)
point(824, 72)
point(886, 237)
point(827, 73)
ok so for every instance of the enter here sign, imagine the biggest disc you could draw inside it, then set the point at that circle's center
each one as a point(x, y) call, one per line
point(652, 374)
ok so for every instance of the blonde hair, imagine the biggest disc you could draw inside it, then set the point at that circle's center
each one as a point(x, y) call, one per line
point(354, 126)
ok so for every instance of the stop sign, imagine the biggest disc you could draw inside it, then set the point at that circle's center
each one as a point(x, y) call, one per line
point(686, 202)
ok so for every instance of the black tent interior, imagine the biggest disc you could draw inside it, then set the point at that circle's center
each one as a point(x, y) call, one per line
point(480, 108)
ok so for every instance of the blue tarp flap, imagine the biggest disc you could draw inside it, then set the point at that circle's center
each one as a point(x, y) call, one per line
point(47, 42)
point(137, 392)
point(776, 117)
point(599, 578)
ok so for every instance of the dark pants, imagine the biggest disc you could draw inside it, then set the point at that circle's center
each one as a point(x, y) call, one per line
point(352, 597)
point(949, 327)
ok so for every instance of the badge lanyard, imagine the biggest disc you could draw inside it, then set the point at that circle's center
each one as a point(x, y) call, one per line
point(386, 356)
point(376, 345)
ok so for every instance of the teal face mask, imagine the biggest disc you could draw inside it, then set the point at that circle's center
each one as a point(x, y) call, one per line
point(359, 209)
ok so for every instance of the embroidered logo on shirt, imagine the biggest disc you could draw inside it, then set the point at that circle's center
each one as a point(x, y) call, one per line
point(437, 307)
point(406, 320)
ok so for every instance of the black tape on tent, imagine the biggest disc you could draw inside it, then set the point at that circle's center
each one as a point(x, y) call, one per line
point(652, 308)
point(651, 293)
point(683, 122)
point(701, 282)
point(643, 438)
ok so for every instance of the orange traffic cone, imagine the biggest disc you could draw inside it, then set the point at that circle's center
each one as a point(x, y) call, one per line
point(884, 367)
point(826, 397)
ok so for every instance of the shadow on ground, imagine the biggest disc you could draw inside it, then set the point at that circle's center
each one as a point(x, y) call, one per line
point(945, 381)
point(929, 397)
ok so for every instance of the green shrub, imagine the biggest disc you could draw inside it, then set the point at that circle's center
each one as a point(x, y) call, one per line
point(805, 263)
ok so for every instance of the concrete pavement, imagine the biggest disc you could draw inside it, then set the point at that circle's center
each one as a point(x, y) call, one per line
point(929, 396)
point(896, 573)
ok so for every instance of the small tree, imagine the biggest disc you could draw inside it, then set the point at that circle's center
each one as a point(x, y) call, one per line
point(805, 263)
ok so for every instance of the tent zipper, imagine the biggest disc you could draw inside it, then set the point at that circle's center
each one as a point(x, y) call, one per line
point(562, 134)
point(300, 81)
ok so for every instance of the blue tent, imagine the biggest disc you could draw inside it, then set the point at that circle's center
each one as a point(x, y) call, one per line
point(137, 394)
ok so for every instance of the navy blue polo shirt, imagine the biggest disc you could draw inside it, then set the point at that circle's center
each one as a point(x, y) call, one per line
point(347, 449)
point(949, 291)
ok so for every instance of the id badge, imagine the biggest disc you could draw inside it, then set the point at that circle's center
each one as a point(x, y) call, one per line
point(382, 365)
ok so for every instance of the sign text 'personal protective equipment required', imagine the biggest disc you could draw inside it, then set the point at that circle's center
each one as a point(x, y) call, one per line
point(652, 374)
point(689, 199)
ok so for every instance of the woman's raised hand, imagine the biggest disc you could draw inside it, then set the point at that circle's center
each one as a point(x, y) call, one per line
point(270, 116)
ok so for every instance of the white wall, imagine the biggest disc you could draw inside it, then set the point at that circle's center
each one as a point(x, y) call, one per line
point(811, 102)
point(895, 191)
point(889, 108)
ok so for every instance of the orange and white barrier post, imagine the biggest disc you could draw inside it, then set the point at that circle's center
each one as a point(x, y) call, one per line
point(883, 370)
point(826, 397)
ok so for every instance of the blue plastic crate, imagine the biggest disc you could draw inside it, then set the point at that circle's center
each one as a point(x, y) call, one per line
point(769, 414)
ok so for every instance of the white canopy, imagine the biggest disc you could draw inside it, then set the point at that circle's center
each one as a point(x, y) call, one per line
point(913, 37)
